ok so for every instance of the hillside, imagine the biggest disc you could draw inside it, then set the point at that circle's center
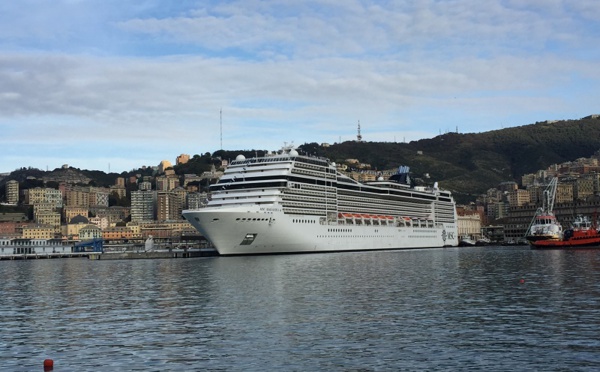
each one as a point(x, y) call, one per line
point(467, 164)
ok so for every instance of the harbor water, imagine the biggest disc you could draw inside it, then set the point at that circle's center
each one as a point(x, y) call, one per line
point(480, 308)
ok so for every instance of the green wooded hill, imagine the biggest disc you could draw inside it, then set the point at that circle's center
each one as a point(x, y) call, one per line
point(471, 163)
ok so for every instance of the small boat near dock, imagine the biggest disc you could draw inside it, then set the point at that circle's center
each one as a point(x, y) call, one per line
point(466, 241)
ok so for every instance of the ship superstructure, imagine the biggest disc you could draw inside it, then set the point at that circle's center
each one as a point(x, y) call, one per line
point(287, 202)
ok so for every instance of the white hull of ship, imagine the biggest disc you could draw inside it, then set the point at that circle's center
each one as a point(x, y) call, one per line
point(238, 231)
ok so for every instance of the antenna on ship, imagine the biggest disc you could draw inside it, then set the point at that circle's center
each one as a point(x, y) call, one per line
point(358, 136)
point(221, 125)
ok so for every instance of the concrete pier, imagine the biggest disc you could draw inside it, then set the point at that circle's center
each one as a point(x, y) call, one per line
point(179, 253)
point(35, 256)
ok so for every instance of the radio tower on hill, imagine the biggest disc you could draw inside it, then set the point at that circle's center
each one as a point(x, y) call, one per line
point(359, 136)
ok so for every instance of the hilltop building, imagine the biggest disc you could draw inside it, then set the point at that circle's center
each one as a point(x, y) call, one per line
point(164, 165)
point(182, 159)
point(12, 192)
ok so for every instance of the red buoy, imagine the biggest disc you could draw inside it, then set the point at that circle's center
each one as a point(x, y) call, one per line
point(522, 281)
point(48, 364)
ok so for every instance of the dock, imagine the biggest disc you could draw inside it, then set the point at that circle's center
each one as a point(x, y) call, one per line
point(49, 255)
point(158, 254)
point(123, 255)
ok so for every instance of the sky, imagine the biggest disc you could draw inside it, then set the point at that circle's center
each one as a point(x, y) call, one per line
point(112, 85)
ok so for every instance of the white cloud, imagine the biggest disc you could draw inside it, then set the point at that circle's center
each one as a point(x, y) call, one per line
point(152, 80)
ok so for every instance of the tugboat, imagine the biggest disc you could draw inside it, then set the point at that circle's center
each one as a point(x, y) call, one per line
point(583, 234)
point(544, 225)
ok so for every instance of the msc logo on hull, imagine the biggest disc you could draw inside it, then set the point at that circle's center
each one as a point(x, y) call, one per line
point(447, 235)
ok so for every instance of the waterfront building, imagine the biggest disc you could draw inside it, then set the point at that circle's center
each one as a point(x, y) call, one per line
point(11, 246)
point(117, 233)
point(37, 231)
point(72, 227)
point(469, 225)
point(90, 232)
point(164, 229)
point(136, 229)
point(158, 231)
point(12, 192)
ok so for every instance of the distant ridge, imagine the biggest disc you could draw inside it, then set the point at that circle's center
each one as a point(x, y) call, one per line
point(466, 163)
point(471, 163)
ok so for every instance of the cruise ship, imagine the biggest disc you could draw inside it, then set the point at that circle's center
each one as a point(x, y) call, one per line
point(286, 202)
